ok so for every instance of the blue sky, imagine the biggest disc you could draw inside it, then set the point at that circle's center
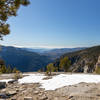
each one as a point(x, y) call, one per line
point(56, 23)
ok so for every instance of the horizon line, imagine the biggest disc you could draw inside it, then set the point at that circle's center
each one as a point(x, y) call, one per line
point(46, 47)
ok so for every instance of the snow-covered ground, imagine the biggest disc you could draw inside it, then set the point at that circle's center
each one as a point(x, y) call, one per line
point(6, 80)
point(59, 81)
point(32, 78)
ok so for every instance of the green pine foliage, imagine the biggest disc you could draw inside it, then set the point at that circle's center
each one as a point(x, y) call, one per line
point(14, 70)
point(50, 68)
point(18, 75)
point(7, 69)
point(3, 69)
point(65, 64)
point(97, 71)
point(9, 8)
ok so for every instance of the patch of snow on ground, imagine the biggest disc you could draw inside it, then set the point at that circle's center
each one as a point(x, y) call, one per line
point(32, 78)
point(61, 80)
point(6, 80)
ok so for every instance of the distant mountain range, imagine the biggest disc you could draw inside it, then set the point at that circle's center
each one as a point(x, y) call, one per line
point(53, 53)
point(37, 50)
point(27, 59)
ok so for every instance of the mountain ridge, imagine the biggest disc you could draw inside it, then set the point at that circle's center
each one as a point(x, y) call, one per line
point(83, 60)
point(53, 53)
point(25, 60)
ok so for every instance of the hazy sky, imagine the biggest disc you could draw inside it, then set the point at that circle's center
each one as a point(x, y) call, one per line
point(56, 23)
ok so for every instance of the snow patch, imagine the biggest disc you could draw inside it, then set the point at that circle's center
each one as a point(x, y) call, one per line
point(32, 78)
point(59, 81)
point(65, 80)
point(6, 80)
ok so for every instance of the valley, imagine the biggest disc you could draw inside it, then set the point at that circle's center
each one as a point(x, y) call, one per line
point(27, 60)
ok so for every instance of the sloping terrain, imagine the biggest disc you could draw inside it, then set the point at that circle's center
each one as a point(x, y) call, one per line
point(31, 59)
point(23, 60)
point(83, 60)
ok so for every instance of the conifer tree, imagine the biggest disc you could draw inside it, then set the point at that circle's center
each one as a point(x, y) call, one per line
point(65, 64)
point(9, 8)
point(14, 70)
point(50, 68)
point(9, 70)
point(3, 69)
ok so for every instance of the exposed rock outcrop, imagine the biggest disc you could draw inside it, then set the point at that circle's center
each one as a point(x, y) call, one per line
point(98, 63)
point(98, 66)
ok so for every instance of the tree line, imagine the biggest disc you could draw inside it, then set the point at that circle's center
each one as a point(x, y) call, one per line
point(7, 69)
point(64, 66)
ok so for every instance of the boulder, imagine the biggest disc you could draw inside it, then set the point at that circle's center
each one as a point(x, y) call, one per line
point(36, 92)
point(2, 85)
point(11, 93)
point(12, 81)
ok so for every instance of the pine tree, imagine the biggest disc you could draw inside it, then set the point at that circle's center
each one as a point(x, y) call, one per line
point(65, 64)
point(3, 69)
point(9, 8)
point(9, 70)
point(1, 63)
point(14, 70)
point(50, 68)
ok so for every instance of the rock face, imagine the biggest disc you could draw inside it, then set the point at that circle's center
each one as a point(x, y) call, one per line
point(86, 69)
point(84, 65)
point(97, 70)
point(98, 63)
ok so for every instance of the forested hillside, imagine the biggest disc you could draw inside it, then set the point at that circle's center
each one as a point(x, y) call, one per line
point(81, 61)
point(23, 60)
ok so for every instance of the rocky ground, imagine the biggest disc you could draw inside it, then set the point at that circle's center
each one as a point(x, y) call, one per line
point(15, 91)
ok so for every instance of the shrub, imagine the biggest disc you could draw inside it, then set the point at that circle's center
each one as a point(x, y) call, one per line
point(18, 75)
point(50, 68)
point(97, 71)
